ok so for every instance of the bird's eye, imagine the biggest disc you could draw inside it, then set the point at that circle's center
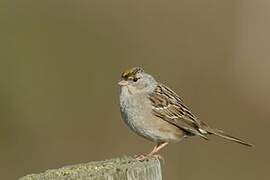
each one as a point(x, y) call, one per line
point(135, 79)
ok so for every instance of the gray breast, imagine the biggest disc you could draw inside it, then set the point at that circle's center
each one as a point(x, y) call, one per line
point(133, 110)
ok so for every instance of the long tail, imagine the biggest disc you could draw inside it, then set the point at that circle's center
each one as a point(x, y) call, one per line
point(222, 134)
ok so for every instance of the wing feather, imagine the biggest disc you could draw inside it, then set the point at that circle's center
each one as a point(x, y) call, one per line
point(167, 105)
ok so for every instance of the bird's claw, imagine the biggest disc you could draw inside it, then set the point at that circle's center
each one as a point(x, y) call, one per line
point(143, 157)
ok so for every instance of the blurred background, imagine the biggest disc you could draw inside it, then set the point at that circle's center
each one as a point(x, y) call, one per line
point(61, 60)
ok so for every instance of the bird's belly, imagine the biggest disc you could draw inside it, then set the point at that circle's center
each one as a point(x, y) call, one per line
point(141, 121)
point(154, 133)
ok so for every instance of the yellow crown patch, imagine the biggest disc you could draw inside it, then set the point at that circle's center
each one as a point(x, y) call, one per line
point(131, 72)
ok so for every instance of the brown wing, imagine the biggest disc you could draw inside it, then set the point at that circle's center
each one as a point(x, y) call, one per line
point(167, 105)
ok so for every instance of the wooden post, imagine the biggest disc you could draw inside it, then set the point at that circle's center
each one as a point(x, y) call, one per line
point(125, 168)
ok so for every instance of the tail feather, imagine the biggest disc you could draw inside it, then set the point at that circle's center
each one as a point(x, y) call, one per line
point(222, 134)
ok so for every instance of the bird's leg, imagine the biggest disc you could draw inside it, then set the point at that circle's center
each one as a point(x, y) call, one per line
point(158, 147)
point(154, 152)
point(143, 157)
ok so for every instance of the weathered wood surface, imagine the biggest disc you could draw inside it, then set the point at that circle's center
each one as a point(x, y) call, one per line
point(125, 168)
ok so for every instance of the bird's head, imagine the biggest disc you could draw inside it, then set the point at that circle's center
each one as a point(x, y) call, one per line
point(137, 80)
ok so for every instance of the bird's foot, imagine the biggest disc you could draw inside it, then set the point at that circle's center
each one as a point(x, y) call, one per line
point(143, 157)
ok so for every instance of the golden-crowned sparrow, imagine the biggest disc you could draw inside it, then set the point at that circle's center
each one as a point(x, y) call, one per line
point(157, 113)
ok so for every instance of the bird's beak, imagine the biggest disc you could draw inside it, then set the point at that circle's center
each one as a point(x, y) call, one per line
point(123, 83)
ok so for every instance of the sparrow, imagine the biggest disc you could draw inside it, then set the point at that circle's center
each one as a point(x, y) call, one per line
point(155, 112)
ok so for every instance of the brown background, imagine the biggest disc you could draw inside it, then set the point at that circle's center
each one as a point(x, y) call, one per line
point(60, 61)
